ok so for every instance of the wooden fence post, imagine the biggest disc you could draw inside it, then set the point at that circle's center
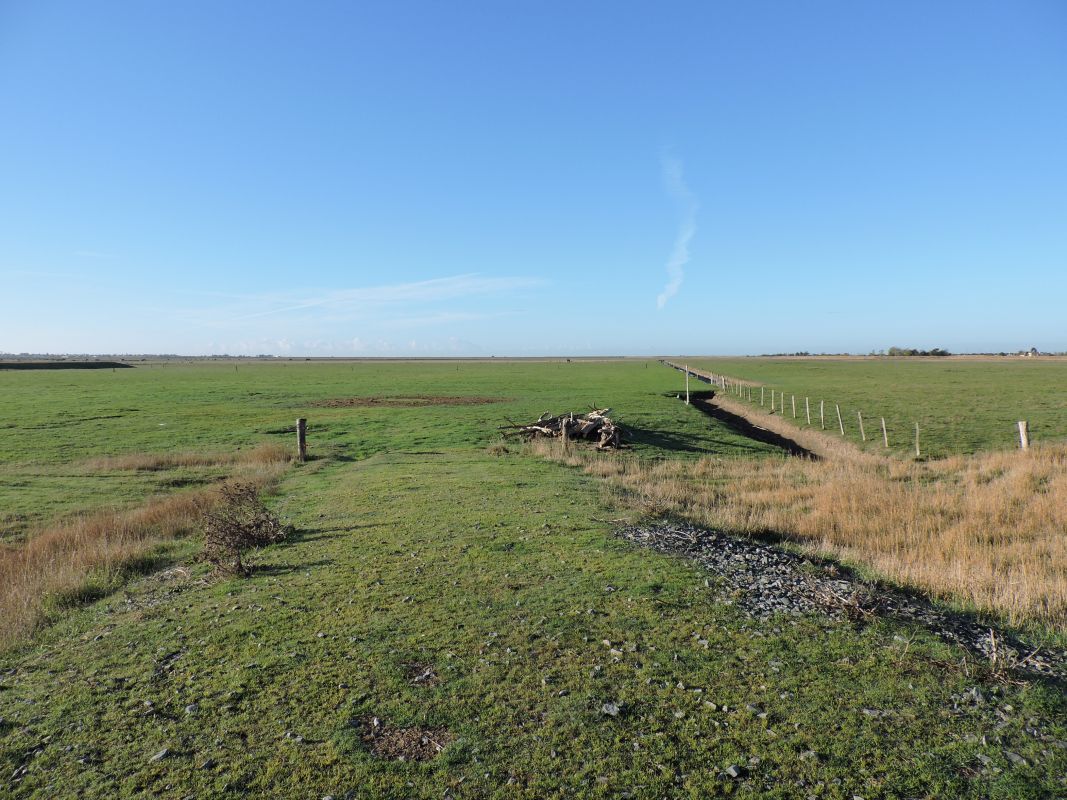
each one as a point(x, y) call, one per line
point(917, 454)
point(1024, 434)
point(863, 436)
point(885, 436)
point(687, 384)
point(807, 410)
point(793, 400)
point(840, 423)
point(302, 439)
point(761, 395)
point(822, 415)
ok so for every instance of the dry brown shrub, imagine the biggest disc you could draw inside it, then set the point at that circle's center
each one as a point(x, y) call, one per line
point(234, 522)
point(990, 530)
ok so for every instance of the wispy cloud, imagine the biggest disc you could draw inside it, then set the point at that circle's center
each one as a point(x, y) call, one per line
point(360, 302)
point(674, 182)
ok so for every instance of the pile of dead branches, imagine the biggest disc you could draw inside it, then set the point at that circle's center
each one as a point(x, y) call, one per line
point(595, 426)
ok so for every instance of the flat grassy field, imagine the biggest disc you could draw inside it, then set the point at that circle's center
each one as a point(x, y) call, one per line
point(962, 405)
point(437, 581)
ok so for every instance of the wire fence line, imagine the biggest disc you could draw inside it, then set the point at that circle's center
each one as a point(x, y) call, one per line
point(830, 416)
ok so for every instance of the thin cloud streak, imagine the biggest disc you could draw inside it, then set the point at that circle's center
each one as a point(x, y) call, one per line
point(687, 228)
point(365, 298)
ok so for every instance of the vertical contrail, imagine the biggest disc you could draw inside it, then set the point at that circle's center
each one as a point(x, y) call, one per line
point(676, 188)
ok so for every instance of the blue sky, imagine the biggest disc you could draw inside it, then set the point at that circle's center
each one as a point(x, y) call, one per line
point(527, 178)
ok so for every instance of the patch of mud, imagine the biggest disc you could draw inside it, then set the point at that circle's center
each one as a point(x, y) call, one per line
point(421, 675)
point(402, 744)
point(407, 401)
point(764, 580)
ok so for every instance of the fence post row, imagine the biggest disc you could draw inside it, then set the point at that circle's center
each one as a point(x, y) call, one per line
point(1024, 434)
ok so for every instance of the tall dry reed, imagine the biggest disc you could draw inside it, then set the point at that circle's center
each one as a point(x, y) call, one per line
point(61, 560)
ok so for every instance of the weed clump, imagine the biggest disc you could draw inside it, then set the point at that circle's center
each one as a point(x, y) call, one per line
point(238, 522)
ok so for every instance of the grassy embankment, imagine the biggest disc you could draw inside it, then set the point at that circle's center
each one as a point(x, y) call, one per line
point(963, 406)
point(417, 549)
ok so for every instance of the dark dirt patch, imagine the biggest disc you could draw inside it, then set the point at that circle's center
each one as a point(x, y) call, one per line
point(407, 401)
point(402, 744)
point(421, 675)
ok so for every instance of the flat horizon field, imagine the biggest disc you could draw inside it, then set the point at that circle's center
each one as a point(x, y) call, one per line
point(448, 586)
point(963, 405)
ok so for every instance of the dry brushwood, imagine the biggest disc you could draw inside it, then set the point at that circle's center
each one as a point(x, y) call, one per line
point(595, 426)
point(239, 521)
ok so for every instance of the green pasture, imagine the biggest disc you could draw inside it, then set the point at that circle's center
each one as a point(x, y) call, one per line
point(962, 406)
point(418, 546)
point(54, 421)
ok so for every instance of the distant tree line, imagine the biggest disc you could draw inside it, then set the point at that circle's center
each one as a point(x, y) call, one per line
point(911, 351)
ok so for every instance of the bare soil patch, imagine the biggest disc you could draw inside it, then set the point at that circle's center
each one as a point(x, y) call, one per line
point(421, 675)
point(407, 401)
point(402, 744)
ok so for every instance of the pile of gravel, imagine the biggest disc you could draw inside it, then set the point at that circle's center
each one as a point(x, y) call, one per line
point(765, 580)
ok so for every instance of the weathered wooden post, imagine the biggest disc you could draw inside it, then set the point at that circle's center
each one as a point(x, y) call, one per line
point(885, 436)
point(863, 436)
point(687, 384)
point(822, 415)
point(302, 439)
point(793, 400)
point(840, 423)
point(1024, 434)
point(761, 394)
point(917, 454)
point(807, 410)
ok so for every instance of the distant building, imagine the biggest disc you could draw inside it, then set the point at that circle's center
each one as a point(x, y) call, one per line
point(1032, 352)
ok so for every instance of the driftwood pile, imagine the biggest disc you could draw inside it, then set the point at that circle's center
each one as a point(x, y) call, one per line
point(595, 426)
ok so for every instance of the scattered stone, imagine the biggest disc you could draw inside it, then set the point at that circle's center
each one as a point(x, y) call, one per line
point(1016, 759)
point(610, 709)
point(192, 708)
point(160, 755)
point(734, 771)
point(764, 580)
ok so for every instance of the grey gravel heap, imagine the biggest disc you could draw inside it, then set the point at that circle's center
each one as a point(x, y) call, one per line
point(764, 580)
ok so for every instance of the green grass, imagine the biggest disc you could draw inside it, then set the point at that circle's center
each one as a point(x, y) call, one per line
point(55, 420)
point(415, 545)
point(962, 405)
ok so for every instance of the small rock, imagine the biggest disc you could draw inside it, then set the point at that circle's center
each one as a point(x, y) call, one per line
point(611, 709)
point(733, 771)
point(160, 755)
point(1016, 759)
point(192, 708)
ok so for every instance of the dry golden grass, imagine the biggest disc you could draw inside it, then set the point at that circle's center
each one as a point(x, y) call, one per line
point(153, 462)
point(989, 530)
point(60, 561)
